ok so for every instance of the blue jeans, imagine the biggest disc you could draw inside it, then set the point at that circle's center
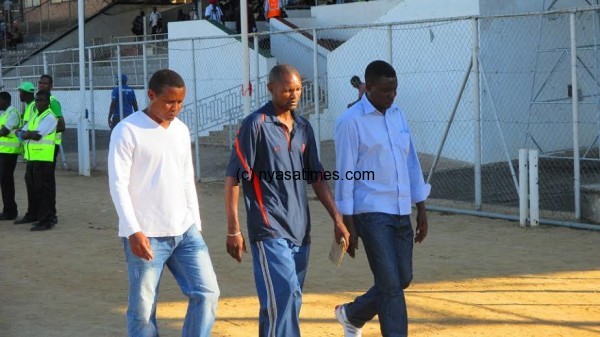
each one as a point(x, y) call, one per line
point(279, 273)
point(187, 258)
point(388, 242)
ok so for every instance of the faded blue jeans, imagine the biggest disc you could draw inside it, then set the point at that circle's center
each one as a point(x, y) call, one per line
point(187, 258)
point(388, 242)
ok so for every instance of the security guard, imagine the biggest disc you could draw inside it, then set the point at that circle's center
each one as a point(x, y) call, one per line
point(39, 136)
point(10, 149)
point(26, 95)
point(46, 83)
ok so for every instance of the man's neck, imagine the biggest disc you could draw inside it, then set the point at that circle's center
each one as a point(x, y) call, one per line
point(164, 123)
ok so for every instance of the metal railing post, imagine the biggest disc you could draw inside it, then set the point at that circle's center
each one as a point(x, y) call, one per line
point(145, 62)
point(476, 114)
point(92, 109)
point(119, 81)
point(316, 89)
point(195, 111)
point(575, 104)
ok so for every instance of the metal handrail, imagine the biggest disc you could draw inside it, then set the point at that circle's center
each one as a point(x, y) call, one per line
point(225, 108)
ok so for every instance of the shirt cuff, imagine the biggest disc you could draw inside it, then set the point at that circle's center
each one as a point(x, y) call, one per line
point(128, 230)
point(345, 207)
point(421, 194)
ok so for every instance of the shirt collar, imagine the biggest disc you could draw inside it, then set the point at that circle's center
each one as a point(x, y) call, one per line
point(269, 111)
point(368, 108)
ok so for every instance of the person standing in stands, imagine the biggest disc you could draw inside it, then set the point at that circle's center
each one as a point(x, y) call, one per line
point(46, 83)
point(129, 103)
point(154, 18)
point(213, 12)
point(26, 95)
point(38, 137)
point(10, 149)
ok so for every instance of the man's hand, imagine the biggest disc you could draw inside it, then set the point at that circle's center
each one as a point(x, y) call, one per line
point(35, 135)
point(353, 240)
point(236, 245)
point(422, 226)
point(140, 246)
point(341, 232)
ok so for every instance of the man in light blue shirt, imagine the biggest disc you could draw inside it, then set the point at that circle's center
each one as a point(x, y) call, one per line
point(373, 135)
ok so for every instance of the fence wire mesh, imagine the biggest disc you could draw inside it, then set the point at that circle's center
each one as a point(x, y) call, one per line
point(522, 83)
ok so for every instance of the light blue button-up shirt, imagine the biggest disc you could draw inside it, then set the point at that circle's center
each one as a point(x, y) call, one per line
point(367, 140)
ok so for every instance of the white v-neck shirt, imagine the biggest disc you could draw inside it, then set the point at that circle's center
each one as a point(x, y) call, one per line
point(151, 177)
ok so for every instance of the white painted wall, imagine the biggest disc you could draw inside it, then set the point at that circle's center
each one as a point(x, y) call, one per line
point(297, 50)
point(218, 63)
point(496, 7)
point(430, 60)
point(69, 100)
point(360, 12)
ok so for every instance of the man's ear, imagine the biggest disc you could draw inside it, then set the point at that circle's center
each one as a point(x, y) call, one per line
point(151, 95)
point(270, 87)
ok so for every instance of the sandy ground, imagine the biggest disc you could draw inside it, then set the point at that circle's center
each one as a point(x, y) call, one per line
point(472, 276)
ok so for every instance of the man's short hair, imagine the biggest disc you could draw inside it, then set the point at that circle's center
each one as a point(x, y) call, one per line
point(165, 78)
point(277, 72)
point(45, 93)
point(378, 69)
point(48, 77)
point(5, 96)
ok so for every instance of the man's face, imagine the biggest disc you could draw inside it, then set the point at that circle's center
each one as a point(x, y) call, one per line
point(44, 84)
point(23, 96)
point(3, 104)
point(167, 105)
point(286, 93)
point(42, 102)
point(382, 92)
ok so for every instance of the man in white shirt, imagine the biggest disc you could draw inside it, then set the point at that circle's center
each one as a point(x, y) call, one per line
point(151, 180)
point(213, 12)
point(373, 135)
point(154, 17)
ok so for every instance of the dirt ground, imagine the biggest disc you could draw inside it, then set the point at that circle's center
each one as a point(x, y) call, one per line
point(472, 276)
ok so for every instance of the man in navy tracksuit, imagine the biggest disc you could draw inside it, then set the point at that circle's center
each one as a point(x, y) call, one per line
point(275, 156)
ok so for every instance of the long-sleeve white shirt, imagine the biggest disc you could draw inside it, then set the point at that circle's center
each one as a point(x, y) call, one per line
point(151, 177)
point(367, 140)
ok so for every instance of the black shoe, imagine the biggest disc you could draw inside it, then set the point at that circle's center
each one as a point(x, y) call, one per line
point(54, 220)
point(7, 216)
point(41, 226)
point(25, 220)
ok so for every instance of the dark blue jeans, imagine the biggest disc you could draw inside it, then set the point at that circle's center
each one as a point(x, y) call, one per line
point(388, 242)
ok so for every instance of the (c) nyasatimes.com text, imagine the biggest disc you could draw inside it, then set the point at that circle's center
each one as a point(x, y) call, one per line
point(306, 175)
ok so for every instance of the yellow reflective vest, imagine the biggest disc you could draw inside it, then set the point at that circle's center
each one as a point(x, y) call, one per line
point(58, 138)
point(28, 112)
point(10, 143)
point(43, 149)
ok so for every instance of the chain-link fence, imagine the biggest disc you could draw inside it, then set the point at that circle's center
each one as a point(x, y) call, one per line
point(475, 91)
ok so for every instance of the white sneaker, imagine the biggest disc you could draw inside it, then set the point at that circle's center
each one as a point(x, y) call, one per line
point(349, 329)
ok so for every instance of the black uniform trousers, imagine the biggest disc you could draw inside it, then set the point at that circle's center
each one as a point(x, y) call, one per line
point(39, 178)
point(8, 162)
